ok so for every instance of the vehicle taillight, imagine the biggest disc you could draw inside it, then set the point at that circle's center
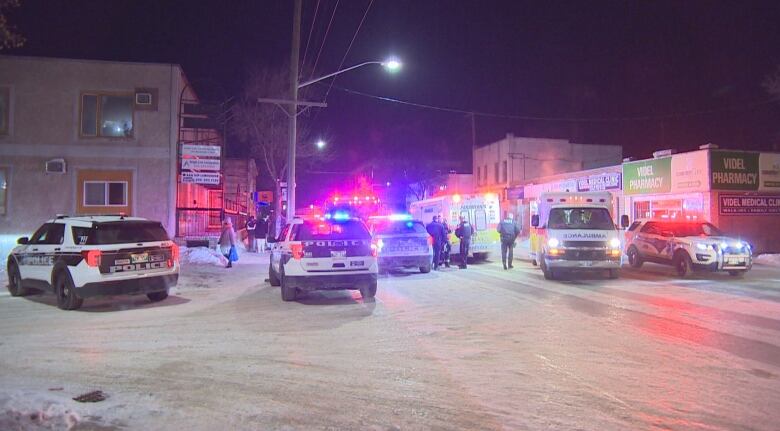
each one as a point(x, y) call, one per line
point(297, 251)
point(92, 257)
point(374, 250)
point(175, 252)
point(430, 241)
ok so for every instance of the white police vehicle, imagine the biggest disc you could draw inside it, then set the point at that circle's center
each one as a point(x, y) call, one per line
point(332, 253)
point(401, 242)
point(81, 257)
point(687, 246)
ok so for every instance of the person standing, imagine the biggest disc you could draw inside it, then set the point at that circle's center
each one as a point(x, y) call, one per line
point(464, 231)
point(436, 231)
point(446, 247)
point(508, 231)
point(251, 225)
point(227, 241)
point(261, 233)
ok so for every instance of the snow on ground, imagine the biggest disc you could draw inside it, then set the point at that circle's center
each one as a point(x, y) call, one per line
point(202, 256)
point(27, 410)
point(768, 259)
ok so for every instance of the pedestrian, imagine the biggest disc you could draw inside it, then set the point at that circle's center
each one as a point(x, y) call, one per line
point(446, 246)
point(227, 242)
point(251, 225)
point(437, 233)
point(508, 231)
point(464, 231)
point(262, 232)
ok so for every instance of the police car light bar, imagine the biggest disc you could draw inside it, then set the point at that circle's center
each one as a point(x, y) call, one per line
point(400, 217)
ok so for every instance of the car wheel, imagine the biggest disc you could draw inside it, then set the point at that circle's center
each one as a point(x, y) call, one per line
point(614, 274)
point(273, 278)
point(425, 269)
point(736, 273)
point(157, 296)
point(634, 259)
point(682, 263)
point(289, 293)
point(15, 281)
point(66, 292)
point(369, 291)
point(549, 274)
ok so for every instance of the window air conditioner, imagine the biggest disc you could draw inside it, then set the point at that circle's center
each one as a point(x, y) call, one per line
point(56, 166)
point(143, 99)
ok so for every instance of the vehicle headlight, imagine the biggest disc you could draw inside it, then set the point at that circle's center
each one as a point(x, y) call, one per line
point(380, 244)
point(553, 242)
point(614, 243)
point(724, 245)
point(738, 245)
point(702, 246)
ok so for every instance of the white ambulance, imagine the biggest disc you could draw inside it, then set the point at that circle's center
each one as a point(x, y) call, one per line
point(575, 231)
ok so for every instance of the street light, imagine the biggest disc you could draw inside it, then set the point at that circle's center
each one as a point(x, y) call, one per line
point(321, 144)
point(391, 65)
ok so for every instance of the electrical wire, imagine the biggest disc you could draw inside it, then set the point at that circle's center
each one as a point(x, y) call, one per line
point(311, 30)
point(324, 38)
point(563, 119)
point(343, 59)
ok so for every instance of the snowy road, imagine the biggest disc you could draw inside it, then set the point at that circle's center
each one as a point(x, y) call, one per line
point(474, 349)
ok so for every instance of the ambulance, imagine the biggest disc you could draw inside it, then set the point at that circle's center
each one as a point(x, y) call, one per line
point(575, 231)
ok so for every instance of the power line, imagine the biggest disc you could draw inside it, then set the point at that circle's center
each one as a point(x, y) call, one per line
point(324, 38)
point(311, 30)
point(360, 25)
point(564, 119)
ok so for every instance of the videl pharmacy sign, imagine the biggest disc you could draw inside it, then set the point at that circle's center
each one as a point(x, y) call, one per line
point(647, 176)
point(733, 170)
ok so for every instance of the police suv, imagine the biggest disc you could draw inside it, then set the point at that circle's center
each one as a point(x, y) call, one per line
point(401, 242)
point(687, 246)
point(332, 253)
point(86, 256)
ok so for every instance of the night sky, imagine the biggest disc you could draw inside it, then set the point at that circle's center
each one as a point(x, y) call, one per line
point(645, 75)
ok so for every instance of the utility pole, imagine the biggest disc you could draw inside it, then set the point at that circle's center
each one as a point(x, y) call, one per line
point(296, 48)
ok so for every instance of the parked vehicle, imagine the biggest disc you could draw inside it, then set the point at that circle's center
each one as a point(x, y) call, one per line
point(332, 253)
point(688, 246)
point(401, 242)
point(86, 256)
point(482, 211)
point(575, 231)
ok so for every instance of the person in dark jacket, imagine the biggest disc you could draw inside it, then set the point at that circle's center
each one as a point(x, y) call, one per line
point(446, 247)
point(251, 225)
point(508, 231)
point(261, 233)
point(438, 234)
point(464, 231)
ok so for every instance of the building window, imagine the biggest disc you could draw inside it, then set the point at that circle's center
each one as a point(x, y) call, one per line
point(495, 172)
point(108, 115)
point(503, 172)
point(5, 109)
point(3, 191)
point(485, 173)
point(105, 193)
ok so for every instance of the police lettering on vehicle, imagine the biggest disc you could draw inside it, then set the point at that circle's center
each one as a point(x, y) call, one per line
point(37, 260)
point(137, 267)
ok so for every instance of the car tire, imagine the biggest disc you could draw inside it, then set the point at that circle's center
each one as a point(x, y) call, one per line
point(67, 299)
point(157, 296)
point(273, 278)
point(15, 286)
point(634, 258)
point(614, 274)
point(369, 291)
point(480, 257)
point(425, 269)
point(289, 293)
point(737, 273)
point(549, 273)
point(682, 263)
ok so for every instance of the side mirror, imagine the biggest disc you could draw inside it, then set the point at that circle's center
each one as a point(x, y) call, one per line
point(23, 240)
point(535, 220)
point(624, 222)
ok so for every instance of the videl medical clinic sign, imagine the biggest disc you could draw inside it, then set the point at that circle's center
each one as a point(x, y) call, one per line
point(201, 164)
point(647, 176)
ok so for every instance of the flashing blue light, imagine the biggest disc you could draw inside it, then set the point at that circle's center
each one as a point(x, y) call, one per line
point(341, 216)
point(400, 217)
point(409, 224)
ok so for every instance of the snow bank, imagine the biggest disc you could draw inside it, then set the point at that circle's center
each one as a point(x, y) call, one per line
point(768, 259)
point(202, 256)
point(36, 411)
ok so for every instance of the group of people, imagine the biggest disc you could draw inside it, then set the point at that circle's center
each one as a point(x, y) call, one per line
point(256, 230)
point(440, 232)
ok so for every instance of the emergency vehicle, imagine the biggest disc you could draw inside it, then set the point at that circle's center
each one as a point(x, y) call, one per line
point(81, 257)
point(402, 242)
point(334, 252)
point(482, 211)
point(575, 231)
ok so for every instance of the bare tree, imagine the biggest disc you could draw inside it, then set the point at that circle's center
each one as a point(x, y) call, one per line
point(8, 36)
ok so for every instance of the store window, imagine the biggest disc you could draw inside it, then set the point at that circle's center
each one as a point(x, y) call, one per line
point(107, 115)
point(5, 110)
point(105, 193)
point(686, 208)
point(503, 172)
point(3, 191)
point(479, 175)
point(495, 173)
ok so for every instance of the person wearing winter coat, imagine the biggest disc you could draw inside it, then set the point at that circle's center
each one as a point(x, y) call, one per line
point(227, 240)
point(438, 234)
point(508, 231)
point(251, 226)
point(464, 232)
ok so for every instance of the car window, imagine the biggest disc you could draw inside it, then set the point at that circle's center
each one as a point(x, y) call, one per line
point(634, 226)
point(119, 233)
point(650, 228)
point(283, 234)
point(580, 218)
point(323, 230)
point(400, 227)
point(49, 234)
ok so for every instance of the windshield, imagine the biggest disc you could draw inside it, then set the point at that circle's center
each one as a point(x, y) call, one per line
point(120, 233)
point(351, 229)
point(580, 218)
point(400, 227)
point(694, 229)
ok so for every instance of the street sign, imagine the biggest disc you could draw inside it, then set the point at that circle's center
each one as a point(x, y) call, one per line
point(200, 164)
point(200, 177)
point(201, 150)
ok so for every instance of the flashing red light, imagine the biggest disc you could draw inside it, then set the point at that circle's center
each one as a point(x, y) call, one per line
point(92, 257)
point(374, 249)
point(297, 251)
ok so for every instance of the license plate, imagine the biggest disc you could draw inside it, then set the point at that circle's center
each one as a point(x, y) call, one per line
point(139, 257)
point(338, 253)
point(735, 261)
point(357, 263)
point(586, 263)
